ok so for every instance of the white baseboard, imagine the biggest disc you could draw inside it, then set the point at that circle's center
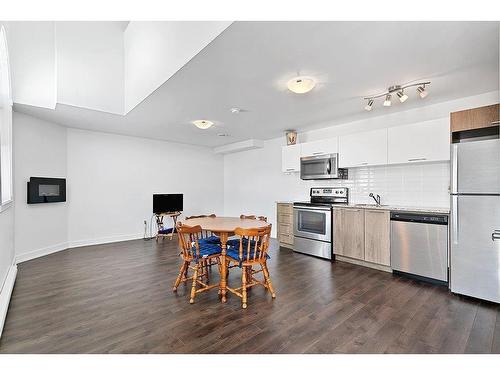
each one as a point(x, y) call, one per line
point(5, 294)
point(72, 244)
point(41, 252)
point(103, 240)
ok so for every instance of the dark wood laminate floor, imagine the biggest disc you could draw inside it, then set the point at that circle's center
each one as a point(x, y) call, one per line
point(117, 298)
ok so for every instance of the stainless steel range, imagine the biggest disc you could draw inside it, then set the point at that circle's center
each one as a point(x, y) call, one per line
point(312, 221)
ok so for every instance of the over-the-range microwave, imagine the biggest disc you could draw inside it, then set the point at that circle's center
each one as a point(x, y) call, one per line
point(321, 167)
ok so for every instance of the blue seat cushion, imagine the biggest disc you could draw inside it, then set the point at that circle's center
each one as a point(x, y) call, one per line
point(165, 231)
point(235, 242)
point(214, 240)
point(234, 252)
point(207, 249)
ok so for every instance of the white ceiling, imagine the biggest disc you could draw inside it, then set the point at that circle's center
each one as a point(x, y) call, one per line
point(248, 66)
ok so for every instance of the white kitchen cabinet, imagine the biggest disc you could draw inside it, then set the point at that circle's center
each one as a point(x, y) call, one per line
point(290, 158)
point(362, 149)
point(321, 147)
point(420, 142)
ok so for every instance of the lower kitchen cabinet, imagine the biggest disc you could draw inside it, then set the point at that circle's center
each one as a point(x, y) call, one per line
point(349, 232)
point(362, 234)
point(377, 237)
point(285, 224)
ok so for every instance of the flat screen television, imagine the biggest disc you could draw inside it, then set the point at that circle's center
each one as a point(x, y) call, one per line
point(167, 203)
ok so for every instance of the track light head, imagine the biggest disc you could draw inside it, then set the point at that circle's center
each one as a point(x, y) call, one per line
point(402, 96)
point(422, 92)
point(387, 101)
point(369, 106)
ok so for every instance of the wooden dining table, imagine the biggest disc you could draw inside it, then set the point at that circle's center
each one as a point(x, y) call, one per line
point(224, 227)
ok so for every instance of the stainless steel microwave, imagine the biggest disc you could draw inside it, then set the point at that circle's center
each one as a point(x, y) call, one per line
point(321, 167)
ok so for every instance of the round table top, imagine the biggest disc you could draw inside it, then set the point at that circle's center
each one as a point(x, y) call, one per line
point(224, 224)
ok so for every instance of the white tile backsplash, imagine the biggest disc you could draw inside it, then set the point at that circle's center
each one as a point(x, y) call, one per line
point(420, 185)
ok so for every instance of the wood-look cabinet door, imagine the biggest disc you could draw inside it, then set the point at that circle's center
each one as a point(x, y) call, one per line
point(475, 118)
point(353, 233)
point(338, 231)
point(377, 237)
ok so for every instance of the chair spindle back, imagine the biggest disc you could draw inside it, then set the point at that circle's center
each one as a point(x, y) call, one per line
point(255, 241)
point(188, 238)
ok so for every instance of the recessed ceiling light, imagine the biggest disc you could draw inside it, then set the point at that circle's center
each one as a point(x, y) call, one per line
point(203, 124)
point(387, 101)
point(402, 96)
point(301, 85)
point(235, 110)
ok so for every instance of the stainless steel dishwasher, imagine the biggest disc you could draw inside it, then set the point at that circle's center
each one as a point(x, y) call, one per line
point(419, 245)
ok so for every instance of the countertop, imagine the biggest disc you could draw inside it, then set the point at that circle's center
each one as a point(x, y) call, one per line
point(433, 210)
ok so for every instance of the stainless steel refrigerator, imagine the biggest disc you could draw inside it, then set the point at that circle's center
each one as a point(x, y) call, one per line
point(475, 219)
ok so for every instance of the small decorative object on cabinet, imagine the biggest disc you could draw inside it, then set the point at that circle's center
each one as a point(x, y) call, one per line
point(285, 222)
point(291, 137)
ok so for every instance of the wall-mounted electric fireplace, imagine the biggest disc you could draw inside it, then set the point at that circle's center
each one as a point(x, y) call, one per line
point(46, 190)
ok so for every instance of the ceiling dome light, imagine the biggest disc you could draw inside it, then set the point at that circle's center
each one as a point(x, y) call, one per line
point(369, 106)
point(421, 91)
point(203, 124)
point(387, 101)
point(402, 96)
point(301, 85)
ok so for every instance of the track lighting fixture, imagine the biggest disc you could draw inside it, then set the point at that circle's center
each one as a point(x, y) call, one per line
point(402, 96)
point(387, 101)
point(421, 91)
point(369, 106)
point(399, 90)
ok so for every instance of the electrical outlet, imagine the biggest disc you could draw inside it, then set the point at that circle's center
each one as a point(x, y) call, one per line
point(145, 222)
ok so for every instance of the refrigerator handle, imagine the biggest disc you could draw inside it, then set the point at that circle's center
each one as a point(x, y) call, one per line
point(454, 168)
point(454, 219)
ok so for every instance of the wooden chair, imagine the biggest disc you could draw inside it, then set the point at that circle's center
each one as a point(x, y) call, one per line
point(253, 217)
point(206, 235)
point(252, 251)
point(201, 254)
point(163, 231)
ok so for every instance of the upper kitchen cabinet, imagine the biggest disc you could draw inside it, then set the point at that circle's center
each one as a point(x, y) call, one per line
point(321, 147)
point(365, 148)
point(421, 142)
point(476, 118)
point(290, 158)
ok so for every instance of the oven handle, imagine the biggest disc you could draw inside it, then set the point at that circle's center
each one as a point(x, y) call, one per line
point(307, 208)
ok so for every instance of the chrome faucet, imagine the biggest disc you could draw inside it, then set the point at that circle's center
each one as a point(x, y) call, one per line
point(375, 198)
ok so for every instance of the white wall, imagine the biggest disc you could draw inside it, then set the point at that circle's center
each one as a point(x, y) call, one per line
point(90, 65)
point(154, 51)
point(39, 151)
point(6, 243)
point(112, 178)
point(110, 182)
point(32, 55)
point(253, 180)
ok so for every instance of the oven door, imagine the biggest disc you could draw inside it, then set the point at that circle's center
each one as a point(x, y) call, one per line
point(312, 222)
point(319, 167)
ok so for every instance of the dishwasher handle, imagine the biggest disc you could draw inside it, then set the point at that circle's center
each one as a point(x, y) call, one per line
point(423, 218)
